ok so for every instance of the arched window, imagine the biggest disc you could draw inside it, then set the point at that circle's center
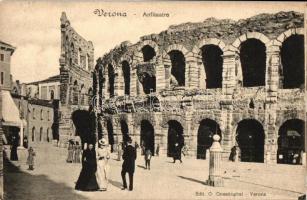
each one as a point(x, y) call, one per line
point(253, 62)
point(51, 94)
point(33, 134)
point(126, 74)
point(292, 59)
point(213, 63)
point(40, 134)
point(111, 75)
point(178, 68)
point(148, 53)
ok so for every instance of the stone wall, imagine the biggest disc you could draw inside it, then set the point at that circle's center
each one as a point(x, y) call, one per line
point(229, 105)
point(76, 67)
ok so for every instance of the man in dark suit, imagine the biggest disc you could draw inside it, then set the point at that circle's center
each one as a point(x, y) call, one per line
point(128, 166)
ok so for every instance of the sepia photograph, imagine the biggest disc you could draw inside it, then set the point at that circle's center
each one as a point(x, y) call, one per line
point(152, 100)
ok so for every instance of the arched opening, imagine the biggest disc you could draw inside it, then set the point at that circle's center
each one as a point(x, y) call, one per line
point(253, 62)
point(213, 63)
point(175, 135)
point(207, 128)
point(292, 59)
point(291, 142)
point(40, 134)
point(110, 134)
point(85, 126)
point(125, 130)
point(178, 68)
point(111, 75)
point(147, 136)
point(250, 138)
point(149, 83)
point(148, 53)
point(75, 92)
point(80, 62)
point(126, 73)
point(33, 134)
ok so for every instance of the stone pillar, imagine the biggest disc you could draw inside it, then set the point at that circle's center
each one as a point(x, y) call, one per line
point(133, 81)
point(192, 72)
point(116, 84)
point(163, 145)
point(215, 173)
point(160, 75)
point(230, 59)
point(272, 84)
point(167, 68)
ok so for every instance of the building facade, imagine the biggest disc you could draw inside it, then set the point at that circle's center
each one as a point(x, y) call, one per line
point(76, 67)
point(243, 80)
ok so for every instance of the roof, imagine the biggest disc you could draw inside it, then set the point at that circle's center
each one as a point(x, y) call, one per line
point(6, 46)
point(48, 80)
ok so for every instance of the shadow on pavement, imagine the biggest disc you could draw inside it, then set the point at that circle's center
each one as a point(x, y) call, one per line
point(194, 180)
point(116, 183)
point(141, 166)
point(21, 185)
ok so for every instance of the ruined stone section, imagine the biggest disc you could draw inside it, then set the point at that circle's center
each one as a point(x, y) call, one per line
point(76, 68)
point(233, 105)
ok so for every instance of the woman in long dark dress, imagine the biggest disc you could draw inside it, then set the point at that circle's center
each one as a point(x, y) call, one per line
point(14, 155)
point(87, 178)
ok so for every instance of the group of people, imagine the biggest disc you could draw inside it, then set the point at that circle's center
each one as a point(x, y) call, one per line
point(94, 174)
point(74, 152)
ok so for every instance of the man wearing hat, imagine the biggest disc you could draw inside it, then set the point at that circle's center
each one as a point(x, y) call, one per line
point(128, 166)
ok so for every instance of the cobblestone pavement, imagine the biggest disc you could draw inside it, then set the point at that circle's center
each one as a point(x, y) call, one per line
point(53, 178)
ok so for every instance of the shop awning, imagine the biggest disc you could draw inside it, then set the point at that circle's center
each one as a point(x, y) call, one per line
point(10, 112)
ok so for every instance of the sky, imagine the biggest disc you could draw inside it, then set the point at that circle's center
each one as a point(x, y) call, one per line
point(34, 27)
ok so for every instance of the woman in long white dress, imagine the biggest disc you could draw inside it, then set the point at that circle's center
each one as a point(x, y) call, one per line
point(103, 156)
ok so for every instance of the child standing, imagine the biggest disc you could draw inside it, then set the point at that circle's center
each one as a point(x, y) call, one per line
point(148, 155)
point(30, 159)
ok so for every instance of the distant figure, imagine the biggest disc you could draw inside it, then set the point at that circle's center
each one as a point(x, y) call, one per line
point(128, 166)
point(70, 156)
point(30, 159)
point(87, 178)
point(14, 146)
point(185, 150)
point(143, 148)
point(103, 156)
point(25, 142)
point(77, 153)
point(177, 153)
point(147, 156)
point(157, 149)
point(233, 154)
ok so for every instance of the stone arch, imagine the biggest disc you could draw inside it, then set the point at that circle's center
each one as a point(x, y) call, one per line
point(33, 134)
point(251, 35)
point(294, 115)
point(126, 76)
point(151, 44)
point(208, 41)
point(111, 81)
point(250, 138)
point(292, 58)
point(41, 134)
point(147, 135)
point(178, 47)
point(206, 129)
point(124, 129)
point(175, 136)
point(110, 132)
point(291, 142)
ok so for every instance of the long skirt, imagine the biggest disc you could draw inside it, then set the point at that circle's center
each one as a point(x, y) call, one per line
point(102, 174)
point(87, 179)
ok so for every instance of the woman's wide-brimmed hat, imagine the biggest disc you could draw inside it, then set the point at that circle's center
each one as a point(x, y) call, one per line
point(102, 141)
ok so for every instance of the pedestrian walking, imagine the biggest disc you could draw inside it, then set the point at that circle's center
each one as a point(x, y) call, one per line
point(103, 156)
point(87, 179)
point(70, 156)
point(25, 142)
point(15, 141)
point(157, 149)
point(233, 154)
point(77, 152)
point(177, 153)
point(147, 156)
point(30, 159)
point(128, 166)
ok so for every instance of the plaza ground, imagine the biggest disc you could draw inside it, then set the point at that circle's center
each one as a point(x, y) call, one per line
point(54, 179)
